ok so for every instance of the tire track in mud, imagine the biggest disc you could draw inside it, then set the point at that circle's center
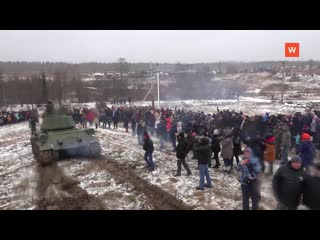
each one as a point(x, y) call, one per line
point(56, 191)
point(158, 198)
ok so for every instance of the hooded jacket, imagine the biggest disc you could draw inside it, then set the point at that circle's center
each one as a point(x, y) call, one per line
point(287, 184)
point(182, 147)
point(203, 150)
point(286, 137)
point(148, 144)
point(306, 152)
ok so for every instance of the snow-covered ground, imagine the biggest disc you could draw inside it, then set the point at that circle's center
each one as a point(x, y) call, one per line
point(225, 193)
point(107, 183)
point(19, 175)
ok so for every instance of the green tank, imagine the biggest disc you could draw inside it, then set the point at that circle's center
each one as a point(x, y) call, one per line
point(58, 137)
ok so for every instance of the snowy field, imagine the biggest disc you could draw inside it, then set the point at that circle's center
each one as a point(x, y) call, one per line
point(112, 187)
point(120, 180)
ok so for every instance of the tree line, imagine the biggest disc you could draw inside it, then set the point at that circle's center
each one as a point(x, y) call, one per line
point(91, 67)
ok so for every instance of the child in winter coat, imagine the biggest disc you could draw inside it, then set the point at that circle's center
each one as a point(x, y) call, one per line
point(270, 152)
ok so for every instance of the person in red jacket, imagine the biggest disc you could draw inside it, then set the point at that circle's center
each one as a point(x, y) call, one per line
point(168, 127)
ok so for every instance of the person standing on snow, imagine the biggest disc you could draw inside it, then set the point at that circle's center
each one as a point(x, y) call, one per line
point(250, 169)
point(306, 151)
point(133, 125)
point(182, 151)
point(270, 152)
point(216, 148)
point(314, 128)
point(203, 154)
point(162, 132)
point(285, 144)
point(96, 118)
point(277, 133)
point(311, 188)
point(227, 150)
point(115, 117)
point(236, 145)
point(140, 133)
point(148, 147)
point(172, 133)
point(287, 184)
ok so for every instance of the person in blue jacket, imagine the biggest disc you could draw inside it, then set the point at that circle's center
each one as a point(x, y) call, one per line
point(306, 151)
point(249, 169)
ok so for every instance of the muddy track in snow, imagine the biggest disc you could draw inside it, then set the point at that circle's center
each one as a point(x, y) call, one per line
point(56, 191)
point(157, 197)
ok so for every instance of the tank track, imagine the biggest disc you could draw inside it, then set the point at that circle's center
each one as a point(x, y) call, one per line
point(44, 158)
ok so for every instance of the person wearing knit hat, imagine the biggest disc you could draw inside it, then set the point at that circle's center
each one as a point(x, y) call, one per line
point(305, 137)
point(288, 183)
point(306, 151)
point(295, 159)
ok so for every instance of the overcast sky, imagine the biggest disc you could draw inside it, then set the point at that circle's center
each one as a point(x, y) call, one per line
point(155, 46)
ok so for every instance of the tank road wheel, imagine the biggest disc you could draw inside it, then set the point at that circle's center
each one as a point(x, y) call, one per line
point(95, 150)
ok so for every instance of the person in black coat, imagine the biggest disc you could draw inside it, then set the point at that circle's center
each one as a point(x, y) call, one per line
point(133, 126)
point(287, 184)
point(311, 189)
point(236, 145)
point(126, 120)
point(148, 147)
point(203, 153)
point(140, 133)
point(216, 147)
point(182, 151)
point(162, 132)
point(173, 131)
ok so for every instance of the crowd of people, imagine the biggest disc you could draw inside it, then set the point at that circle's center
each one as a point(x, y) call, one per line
point(11, 117)
point(223, 134)
point(209, 137)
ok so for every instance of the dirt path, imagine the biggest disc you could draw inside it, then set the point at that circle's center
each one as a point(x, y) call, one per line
point(157, 198)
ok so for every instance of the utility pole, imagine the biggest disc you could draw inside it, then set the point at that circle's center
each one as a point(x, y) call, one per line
point(158, 79)
point(282, 87)
point(151, 82)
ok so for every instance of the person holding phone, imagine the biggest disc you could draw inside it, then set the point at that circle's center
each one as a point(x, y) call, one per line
point(250, 169)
